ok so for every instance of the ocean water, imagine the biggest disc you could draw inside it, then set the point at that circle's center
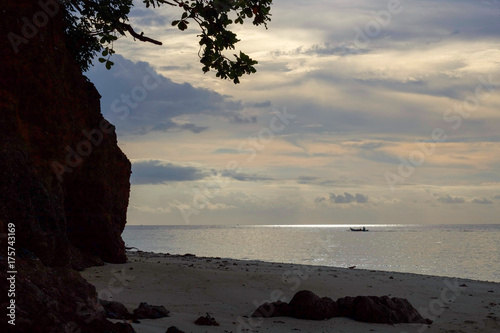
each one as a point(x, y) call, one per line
point(465, 251)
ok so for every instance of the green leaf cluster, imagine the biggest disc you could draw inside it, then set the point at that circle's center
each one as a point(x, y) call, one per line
point(93, 26)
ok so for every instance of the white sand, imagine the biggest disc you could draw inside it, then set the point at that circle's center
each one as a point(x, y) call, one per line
point(229, 290)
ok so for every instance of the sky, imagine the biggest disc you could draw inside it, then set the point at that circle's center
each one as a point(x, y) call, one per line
point(361, 112)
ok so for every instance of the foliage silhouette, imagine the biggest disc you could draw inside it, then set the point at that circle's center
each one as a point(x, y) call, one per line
point(93, 26)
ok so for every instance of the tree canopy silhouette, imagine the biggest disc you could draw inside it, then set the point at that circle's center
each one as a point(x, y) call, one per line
point(93, 26)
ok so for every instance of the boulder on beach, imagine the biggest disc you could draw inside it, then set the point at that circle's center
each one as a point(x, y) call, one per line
point(274, 309)
point(206, 321)
point(173, 329)
point(380, 309)
point(372, 309)
point(345, 306)
point(122, 328)
point(307, 305)
point(115, 310)
point(146, 311)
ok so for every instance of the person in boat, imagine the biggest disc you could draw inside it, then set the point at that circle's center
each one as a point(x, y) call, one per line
point(364, 229)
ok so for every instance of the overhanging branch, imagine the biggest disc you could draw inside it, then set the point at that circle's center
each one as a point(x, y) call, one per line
point(140, 37)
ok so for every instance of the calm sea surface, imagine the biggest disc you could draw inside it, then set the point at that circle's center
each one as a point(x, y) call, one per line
point(466, 251)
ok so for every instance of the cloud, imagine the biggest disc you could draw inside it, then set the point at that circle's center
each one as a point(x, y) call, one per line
point(160, 172)
point(156, 172)
point(237, 119)
point(172, 126)
point(265, 104)
point(170, 68)
point(323, 49)
point(345, 198)
point(307, 180)
point(245, 177)
point(138, 100)
point(348, 198)
point(448, 199)
point(229, 151)
point(372, 145)
point(320, 200)
point(318, 181)
point(482, 201)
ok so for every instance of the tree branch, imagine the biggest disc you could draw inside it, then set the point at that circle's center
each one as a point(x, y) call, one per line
point(140, 37)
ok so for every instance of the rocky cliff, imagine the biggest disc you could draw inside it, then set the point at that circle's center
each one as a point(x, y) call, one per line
point(64, 182)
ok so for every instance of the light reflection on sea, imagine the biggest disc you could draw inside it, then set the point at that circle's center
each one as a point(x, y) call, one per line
point(466, 251)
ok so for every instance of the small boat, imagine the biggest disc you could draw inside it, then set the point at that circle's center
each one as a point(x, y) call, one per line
point(360, 229)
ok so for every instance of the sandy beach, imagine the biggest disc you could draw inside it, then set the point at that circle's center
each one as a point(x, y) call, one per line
point(230, 290)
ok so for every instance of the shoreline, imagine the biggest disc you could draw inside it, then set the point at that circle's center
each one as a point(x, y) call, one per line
point(385, 247)
point(161, 255)
point(229, 289)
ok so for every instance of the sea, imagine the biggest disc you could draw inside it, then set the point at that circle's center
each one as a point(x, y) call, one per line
point(463, 251)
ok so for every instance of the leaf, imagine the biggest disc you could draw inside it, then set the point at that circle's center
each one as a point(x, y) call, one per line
point(182, 25)
point(102, 60)
point(109, 64)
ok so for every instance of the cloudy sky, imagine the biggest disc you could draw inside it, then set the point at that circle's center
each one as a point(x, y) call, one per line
point(361, 112)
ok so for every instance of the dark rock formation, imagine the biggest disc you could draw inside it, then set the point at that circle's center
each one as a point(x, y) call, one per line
point(307, 305)
point(64, 183)
point(146, 311)
point(56, 299)
point(345, 306)
point(275, 309)
point(373, 309)
point(383, 310)
point(115, 310)
point(173, 329)
point(121, 328)
point(206, 321)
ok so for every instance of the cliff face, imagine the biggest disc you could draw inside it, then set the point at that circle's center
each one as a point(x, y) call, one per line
point(64, 182)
